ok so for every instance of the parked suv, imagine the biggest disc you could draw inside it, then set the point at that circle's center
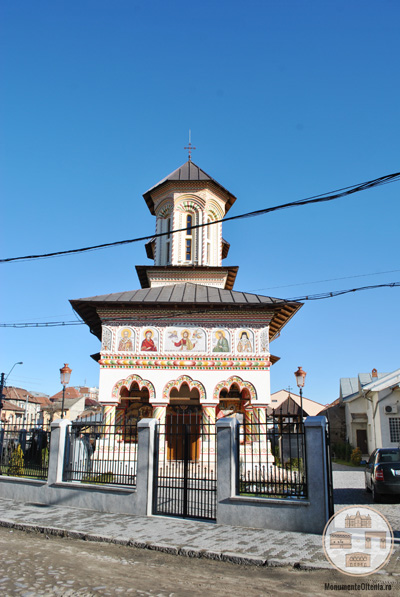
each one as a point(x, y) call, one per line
point(382, 473)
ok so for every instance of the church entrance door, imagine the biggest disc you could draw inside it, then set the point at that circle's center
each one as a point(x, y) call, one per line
point(183, 436)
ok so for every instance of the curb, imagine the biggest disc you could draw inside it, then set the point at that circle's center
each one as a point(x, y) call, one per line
point(241, 559)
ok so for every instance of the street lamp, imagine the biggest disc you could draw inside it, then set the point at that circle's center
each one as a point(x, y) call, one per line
point(300, 376)
point(3, 380)
point(65, 374)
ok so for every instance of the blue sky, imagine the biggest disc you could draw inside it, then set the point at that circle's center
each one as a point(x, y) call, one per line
point(284, 100)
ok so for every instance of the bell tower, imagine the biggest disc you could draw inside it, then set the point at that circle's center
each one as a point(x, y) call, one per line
point(185, 199)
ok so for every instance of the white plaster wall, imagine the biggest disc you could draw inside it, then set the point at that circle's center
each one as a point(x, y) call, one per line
point(359, 405)
point(385, 398)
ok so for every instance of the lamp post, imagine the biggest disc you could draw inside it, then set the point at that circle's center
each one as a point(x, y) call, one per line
point(300, 376)
point(65, 374)
point(3, 380)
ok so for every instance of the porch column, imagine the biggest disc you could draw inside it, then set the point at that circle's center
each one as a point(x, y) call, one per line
point(260, 418)
point(160, 414)
point(109, 417)
point(209, 435)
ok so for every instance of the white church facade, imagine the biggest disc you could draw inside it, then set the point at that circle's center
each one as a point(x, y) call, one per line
point(185, 341)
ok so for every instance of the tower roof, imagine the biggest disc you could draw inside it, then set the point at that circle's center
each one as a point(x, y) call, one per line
point(188, 172)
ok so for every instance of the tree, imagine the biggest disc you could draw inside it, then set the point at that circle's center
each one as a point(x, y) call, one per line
point(16, 464)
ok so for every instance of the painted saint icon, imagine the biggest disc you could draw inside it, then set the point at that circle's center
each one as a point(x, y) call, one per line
point(125, 342)
point(185, 343)
point(222, 344)
point(106, 339)
point(148, 342)
point(244, 344)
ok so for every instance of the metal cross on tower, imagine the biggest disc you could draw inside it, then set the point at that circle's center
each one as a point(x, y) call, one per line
point(190, 146)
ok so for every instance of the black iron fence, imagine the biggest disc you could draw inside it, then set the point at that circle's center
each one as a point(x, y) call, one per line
point(186, 467)
point(272, 458)
point(101, 454)
point(24, 450)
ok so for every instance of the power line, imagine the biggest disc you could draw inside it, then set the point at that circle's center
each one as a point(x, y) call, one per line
point(324, 295)
point(391, 271)
point(47, 324)
point(324, 197)
point(309, 297)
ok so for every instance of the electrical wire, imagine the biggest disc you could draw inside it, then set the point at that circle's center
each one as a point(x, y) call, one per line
point(309, 297)
point(391, 271)
point(324, 197)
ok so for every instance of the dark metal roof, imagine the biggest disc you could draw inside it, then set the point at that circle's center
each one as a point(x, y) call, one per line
point(225, 248)
point(141, 271)
point(188, 172)
point(188, 296)
point(288, 408)
point(149, 246)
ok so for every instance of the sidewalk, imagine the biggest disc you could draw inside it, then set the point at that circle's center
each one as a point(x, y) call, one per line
point(175, 536)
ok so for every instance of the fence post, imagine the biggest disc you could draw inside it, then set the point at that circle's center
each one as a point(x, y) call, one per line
point(22, 439)
point(57, 450)
point(317, 475)
point(145, 466)
point(227, 459)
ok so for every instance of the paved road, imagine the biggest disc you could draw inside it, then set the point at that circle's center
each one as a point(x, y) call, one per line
point(349, 489)
point(34, 565)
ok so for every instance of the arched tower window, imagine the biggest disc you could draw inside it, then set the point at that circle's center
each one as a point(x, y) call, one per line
point(168, 242)
point(208, 242)
point(189, 238)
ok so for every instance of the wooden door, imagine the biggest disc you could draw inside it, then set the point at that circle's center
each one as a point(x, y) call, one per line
point(361, 438)
point(180, 429)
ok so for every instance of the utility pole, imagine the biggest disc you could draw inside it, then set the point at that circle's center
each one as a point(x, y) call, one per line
point(1, 391)
point(3, 380)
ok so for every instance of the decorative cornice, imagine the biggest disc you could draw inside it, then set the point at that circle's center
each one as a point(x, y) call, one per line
point(175, 361)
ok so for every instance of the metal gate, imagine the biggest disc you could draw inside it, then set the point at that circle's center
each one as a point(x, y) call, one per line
point(328, 457)
point(186, 468)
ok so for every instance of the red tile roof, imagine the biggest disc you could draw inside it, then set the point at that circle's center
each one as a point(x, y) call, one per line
point(69, 393)
point(10, 406)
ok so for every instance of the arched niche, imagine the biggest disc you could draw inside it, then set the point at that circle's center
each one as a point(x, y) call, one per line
point(134, 394)
point(234, 396)
point(184, 388)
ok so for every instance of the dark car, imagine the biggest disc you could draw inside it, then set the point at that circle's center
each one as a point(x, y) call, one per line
point(382, 473)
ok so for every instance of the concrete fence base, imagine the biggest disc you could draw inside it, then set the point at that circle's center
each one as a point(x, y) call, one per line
point(307, 515)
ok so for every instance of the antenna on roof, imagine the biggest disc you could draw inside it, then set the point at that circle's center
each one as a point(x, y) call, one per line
point(190, 147)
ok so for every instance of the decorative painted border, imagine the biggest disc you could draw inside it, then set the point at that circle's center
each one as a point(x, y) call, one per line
point(165, 211)
point(228, 383)
point(142, 383)
point(175, 361)
point(177, 383)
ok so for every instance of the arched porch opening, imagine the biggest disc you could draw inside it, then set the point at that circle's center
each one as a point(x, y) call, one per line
point(134, 405)
point(235, 399)
point(184, 418)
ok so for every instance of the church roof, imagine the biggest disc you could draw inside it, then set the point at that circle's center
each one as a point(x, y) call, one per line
point(185, 295)
point(188, 172)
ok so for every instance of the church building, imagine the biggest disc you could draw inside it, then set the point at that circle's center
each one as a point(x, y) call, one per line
point(185, 341)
